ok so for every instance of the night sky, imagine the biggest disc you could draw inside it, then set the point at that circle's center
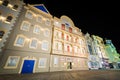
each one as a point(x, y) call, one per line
point(96, 18)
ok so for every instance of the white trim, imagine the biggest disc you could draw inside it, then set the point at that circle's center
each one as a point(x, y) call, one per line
point(28, 58)
point(14, 67)
point(17, 39)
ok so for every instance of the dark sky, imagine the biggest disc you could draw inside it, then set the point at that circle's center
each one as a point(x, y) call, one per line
point(96, 18)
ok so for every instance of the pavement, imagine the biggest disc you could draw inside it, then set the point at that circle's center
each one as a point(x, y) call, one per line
point(66, 75)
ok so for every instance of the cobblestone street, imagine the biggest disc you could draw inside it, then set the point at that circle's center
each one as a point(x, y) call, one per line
point(67, 75)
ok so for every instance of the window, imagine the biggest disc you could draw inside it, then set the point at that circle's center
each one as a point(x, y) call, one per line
point(46, 33)
point(59, 35)
point(25, 26)
point(5, 3)
point(55, 62)
point(75, 49)
point(1, 34)
point(70, 29)
point(47, 22)
point(9, 18)
point(33, 43)
point(36, 29)
point(12, 62)
point(45, 45)
point(57, 24)
point(29, 15)
point(39, 19)
point(20, 41)
point(59, 46)
point(15, 7)
point(42, 62)
point(90, 49)
point(63, 26)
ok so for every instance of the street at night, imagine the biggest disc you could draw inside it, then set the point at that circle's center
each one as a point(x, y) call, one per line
point(67, 75)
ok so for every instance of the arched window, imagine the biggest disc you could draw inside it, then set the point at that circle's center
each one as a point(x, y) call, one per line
point(5, 2)
point(9, 18)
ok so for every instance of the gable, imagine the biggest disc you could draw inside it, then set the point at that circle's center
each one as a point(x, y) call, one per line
point(42, 8)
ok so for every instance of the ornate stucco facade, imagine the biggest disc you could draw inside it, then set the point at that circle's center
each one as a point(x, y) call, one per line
point(101, 52)
point(93, 58)
point(114, 57)
point(69, 51)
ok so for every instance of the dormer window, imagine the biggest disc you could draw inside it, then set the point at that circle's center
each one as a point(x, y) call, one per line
point(9, 18)
point(1, 34)
point(15, 7)
point(5, 3)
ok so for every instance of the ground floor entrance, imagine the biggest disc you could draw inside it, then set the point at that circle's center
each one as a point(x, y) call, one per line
point(28, 66)
point(69, 65)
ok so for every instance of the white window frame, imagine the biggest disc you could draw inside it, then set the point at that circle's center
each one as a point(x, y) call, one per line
point(14, 65)
point(36, 27)
point(47, 22)
point(55, 61)
point(22, 26)
point(42, 45)
point(46, 34)
point(18, 36)
point(30, 45)
point(26, 15)
point(40, 21)
point(60, 46)
point(45, 62)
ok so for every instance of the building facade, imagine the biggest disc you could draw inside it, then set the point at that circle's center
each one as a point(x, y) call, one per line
point(93, 58)
point(9, 13)
point(69, 51)
point(29, 45)
point(100, 50)
point(114, 57)
point(36, 42)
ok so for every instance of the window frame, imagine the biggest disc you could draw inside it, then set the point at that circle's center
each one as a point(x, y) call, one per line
point(15, 43)
point(31, 43)
point(44, 45)
point(29, 17)
point(45, 63)
point(22, 26)
point(14, 66)
point(36, 27)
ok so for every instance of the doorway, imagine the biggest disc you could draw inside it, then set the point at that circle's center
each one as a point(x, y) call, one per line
point(28, 66)
point(69, 65)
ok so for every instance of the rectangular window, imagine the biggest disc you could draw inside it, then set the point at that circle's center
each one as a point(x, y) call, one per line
point(36, 29)
point(55, 62)
point(33, 43)
point(25, 26)
point(45, 45)
point(70, 29)
point(29, 15)
point(63, 26)
point(12, 62)
point(47, 22)
point(39, 19)
point(59, 46)
point(20, 40)
point(65, 47)
point(47, 33)
point(42, 62)
point(75, 49)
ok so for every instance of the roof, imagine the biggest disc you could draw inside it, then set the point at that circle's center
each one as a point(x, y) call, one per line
point(41, 7)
